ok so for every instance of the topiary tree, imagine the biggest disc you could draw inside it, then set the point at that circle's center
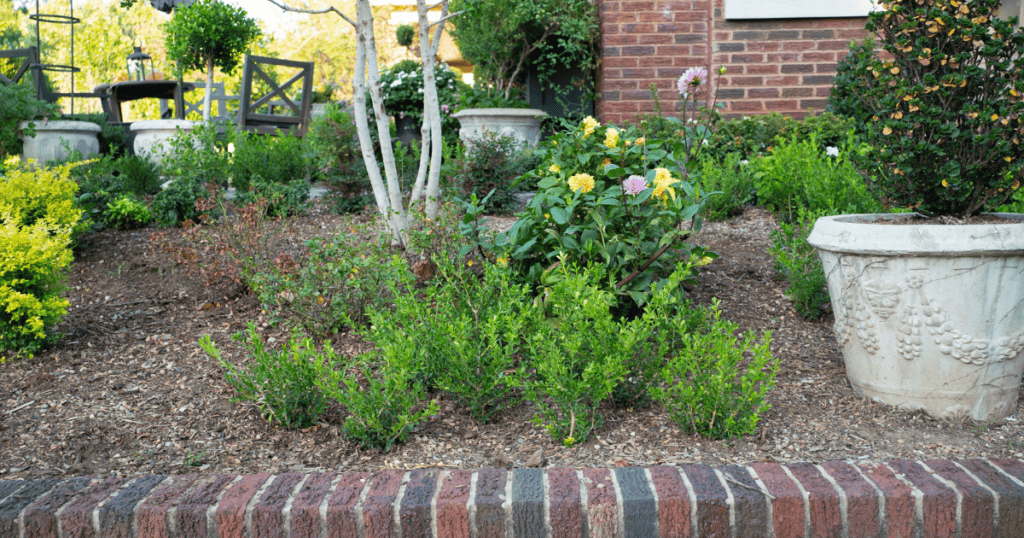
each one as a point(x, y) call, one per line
point(208, 34)
point(501, 38)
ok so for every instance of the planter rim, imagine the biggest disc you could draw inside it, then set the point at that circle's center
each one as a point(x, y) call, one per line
point(522, 112)
point(161, 124)
point(61, 125)
point(859, 234)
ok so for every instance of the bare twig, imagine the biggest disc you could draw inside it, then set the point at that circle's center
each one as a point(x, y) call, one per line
point(20, 407)
point(729, 478)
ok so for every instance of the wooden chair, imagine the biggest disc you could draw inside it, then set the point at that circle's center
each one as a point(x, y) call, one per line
point(218, 103)
point(276, 110)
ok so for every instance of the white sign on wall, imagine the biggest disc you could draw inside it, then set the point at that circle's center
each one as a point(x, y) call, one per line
point(797, 9)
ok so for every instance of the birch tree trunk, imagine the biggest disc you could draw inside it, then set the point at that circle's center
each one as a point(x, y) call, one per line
point(207, 101)
point(387, 190)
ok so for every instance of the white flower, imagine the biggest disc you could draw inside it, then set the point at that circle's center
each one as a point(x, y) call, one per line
point(397, 82)
point(832, 151)
point(744, 161)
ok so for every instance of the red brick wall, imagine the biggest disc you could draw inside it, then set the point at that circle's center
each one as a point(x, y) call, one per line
point(783, 65)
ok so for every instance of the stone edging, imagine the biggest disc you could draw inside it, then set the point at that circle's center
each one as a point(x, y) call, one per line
point(936, 498)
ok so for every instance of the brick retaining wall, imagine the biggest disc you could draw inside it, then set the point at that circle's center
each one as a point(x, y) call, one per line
point(936, 498)
point(783, 65)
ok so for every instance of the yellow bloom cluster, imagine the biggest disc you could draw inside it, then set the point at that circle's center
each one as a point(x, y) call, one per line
point(581, 182)
point(555, 168)
point(662, 183)
point(611, 137)
point(702, 261)
point(589, 124)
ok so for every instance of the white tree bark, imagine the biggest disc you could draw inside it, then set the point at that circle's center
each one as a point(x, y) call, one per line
point(207, 102)
point(386, 190)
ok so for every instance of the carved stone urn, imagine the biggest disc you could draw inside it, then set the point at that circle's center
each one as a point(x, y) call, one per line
point(522, 124)
point(153, 137)
point(55, 139)
point(928, 316)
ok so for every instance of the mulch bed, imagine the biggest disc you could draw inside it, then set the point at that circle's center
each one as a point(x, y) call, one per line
point(128, 390)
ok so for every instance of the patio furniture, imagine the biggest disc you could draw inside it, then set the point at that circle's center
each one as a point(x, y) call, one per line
point(218, 101)
point(116, 93)
point(31, 58)
point(275, 111)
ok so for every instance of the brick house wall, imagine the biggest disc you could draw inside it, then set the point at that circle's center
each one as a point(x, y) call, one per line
point(781, 65)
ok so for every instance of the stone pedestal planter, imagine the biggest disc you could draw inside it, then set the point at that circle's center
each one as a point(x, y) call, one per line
point(152, 137)
point(929, 317)
point(523, 124)
point(48, 142)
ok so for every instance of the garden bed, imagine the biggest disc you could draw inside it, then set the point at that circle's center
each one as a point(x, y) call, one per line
point(129, 391)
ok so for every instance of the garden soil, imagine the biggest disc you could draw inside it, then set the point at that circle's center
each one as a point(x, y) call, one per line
point(128, 391)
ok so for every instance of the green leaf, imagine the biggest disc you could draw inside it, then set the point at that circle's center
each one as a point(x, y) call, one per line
point(559, 215)
point(614, 171)
point(548, 182)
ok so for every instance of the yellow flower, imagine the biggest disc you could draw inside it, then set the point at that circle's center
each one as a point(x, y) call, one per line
point(640, 141)
point(887, 131)
point(995, 117)
point(662, 181)
point(503, 261)
point(581, 183)
point(606, 162)
point(628, 143)
point(555, 168)
point(589, 124)
point(547, 215)
point(944, 183)
point(703, 261)
point(611, 137)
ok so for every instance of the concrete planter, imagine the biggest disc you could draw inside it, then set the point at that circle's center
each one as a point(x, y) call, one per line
point(929, 317)
point(152, 137)
point(523, 124)
point(48, 142)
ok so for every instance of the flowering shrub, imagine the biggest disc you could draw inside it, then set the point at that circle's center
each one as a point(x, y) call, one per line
point(403, 93)
point(946, 103)
point(606, 195)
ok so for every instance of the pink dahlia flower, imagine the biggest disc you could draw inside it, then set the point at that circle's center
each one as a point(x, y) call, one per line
point(634, 185)
point(692, 78)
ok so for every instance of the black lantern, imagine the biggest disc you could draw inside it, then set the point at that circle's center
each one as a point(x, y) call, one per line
point(140, 65)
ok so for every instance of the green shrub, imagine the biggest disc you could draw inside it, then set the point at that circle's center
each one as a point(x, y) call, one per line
point(332, 144)
point(33, 262)
point(799, 174)
point(577, 362)
point(946, 107)
point(126, 213)
point(38, 217)
point(715, 385)
point(797, 261)
point(18, 104)
point(284, 199)
point(198, 164)
point(493, 163)
point(756, 135)
point(733, 179)
point(584, 212)
point(383, 399)
point(278, 159)
point(466, 331)
point(843, 100)
point(333, 286)
point(281, 383)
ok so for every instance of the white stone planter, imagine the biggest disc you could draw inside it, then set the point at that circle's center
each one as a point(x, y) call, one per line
point(152, 137)
point(48, 142)
point(523, 124)
point(929, 317)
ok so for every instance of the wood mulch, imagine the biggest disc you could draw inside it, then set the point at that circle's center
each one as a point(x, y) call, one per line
point(128, 390)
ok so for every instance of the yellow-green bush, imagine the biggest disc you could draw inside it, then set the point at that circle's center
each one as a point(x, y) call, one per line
point(37, 218)
point(29, 195)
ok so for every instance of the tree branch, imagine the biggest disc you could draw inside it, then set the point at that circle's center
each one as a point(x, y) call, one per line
point(330, 9)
